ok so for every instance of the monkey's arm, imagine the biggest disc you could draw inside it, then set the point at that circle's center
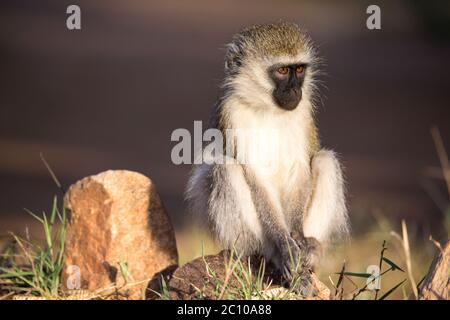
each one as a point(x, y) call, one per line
point(274, 227)
point(326, 212)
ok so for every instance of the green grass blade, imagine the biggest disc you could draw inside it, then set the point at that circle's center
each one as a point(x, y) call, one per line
point(392, 264)
point(41, 276)
point(124, 270)
point(356, 274)
point(54, 210)
point(33, 215)
point(420, 282)
point(384, 296)
point(7, 273)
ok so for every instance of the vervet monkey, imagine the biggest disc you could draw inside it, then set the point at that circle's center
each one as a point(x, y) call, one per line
point(289, 213)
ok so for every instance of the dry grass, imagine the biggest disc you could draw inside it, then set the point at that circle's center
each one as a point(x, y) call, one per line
point(359, 253)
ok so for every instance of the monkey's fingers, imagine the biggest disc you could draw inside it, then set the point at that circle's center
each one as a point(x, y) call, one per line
point(287, 274)
point(304, 285)
point(311, 250)
point(290, 269)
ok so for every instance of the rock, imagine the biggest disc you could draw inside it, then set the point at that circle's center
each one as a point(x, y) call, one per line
point(204, 278)
point(119, 234)
point(436, 285)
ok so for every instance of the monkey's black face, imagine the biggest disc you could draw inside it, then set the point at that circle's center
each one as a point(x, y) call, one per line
point(288, 81)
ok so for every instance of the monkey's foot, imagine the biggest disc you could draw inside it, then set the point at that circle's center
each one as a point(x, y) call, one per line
point(311, 249)
point(290, 258)
point(302, 283)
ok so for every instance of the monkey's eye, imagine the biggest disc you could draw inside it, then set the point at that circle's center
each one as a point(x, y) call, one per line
point(283, 70)
point(300, 69)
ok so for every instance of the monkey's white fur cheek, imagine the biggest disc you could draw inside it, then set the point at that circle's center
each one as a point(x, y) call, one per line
point(327, 212)
point(253, 86)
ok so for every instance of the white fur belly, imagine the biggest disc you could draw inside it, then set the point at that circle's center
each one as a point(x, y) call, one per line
point(277, 154)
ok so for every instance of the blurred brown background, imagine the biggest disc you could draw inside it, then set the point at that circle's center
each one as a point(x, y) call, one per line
point(109, 96)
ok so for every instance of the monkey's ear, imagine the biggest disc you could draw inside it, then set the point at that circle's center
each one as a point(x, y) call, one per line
point(233, 59)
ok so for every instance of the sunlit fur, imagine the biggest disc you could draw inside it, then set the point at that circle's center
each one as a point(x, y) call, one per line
point(305, 190)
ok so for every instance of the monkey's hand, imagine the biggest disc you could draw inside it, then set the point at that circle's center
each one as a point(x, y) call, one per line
point(298, 258)
point(290, 257)
point(302, 283)
point(310, 249)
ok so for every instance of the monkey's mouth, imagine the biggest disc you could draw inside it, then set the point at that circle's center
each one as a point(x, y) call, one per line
point(287, 99)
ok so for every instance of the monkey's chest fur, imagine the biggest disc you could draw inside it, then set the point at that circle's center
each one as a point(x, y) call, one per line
point(271, 179)
point(277, 150)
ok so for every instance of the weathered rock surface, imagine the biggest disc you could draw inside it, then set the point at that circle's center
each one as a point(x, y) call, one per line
point(116, 218)
point(204, 278)
point(436, 285)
